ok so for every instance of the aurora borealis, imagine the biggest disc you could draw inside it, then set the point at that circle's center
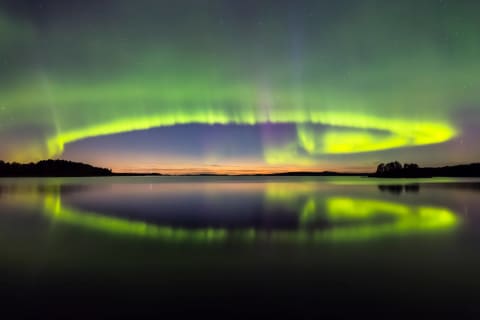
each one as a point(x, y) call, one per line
point(239, 84)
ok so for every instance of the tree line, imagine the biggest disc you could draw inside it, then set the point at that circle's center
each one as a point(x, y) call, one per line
point(51, 168)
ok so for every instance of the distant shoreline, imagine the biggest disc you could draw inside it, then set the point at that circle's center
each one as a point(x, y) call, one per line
point(63, 168)
point(300, 173)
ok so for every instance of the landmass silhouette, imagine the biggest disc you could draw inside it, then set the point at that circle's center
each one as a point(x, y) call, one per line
point(412, 170)
point(64, 168)
point(51, 168)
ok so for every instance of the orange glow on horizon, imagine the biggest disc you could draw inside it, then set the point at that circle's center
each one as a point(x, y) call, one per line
point(228, 170)
point(168, 165)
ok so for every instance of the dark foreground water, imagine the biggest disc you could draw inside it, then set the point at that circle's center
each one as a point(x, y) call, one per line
point(246, 246)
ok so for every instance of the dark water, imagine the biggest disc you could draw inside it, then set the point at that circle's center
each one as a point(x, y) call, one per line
point(290, 247)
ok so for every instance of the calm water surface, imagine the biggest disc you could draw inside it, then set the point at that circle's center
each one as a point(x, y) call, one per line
point(293, 246)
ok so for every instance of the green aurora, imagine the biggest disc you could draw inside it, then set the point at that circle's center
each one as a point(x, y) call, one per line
point(359, 76)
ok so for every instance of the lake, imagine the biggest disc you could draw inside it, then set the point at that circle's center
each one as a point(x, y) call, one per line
point(242, 246)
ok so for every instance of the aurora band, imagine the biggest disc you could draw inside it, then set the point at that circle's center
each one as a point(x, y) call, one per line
point(88, 112)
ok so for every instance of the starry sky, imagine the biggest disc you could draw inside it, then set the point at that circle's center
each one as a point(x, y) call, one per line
point(240, 86)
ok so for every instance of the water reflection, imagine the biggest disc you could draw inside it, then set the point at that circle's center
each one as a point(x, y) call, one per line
point(398, 188)
point(405, 219)
point(315, 212)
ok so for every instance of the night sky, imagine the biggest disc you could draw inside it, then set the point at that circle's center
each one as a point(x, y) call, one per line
point(240, 86)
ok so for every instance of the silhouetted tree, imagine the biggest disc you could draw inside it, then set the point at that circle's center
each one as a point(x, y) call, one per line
point(395, 169)
point(389, 167)
point(381, 168)
point(410, 166)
